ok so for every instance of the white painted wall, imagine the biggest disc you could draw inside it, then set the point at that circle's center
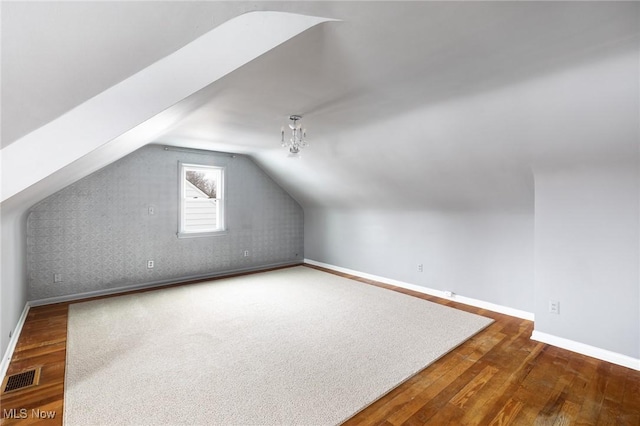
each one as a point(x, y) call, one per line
point(13, 291)
point(586, 256)
point(486, 256)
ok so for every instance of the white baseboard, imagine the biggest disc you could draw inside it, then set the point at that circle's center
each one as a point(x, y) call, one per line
point(426, 290)
point(149, 285)
point(6, 359)
point(581, 348)
point(584, 349)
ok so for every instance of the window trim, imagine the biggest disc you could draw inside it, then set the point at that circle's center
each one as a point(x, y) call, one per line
point(220, 196)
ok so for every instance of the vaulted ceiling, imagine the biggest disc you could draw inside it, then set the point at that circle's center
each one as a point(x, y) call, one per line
point(412, 105)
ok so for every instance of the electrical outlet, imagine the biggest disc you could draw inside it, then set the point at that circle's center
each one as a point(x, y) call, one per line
point(57, 278)
point(150, 264)
point(152, 210)
point(420, 267)
point(246, 253)
point(554, 307)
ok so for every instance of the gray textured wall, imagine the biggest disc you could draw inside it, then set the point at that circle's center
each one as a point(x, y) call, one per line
point(97, 233)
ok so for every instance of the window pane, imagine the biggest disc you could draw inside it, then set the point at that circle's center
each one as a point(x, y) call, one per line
point(203, 183)
point(200, 215)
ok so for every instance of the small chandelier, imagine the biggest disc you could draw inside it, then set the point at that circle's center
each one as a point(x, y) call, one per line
point(298, 135)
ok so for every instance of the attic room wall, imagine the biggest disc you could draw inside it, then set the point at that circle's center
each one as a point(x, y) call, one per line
point(587, 210)
point(587, 249)
point(486, 256)
point(13, 293)
point(98, 235)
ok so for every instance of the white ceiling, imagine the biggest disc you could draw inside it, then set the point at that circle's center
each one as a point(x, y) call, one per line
point(413, 105)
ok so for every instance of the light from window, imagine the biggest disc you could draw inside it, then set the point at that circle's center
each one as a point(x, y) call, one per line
point(201, 199)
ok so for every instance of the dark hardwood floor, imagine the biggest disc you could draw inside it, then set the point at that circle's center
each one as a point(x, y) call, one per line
point(498, 377)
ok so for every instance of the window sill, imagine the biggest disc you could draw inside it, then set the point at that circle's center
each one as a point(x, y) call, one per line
point(201, 234)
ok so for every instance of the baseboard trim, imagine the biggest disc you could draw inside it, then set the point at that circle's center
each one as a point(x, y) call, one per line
point(154, 284)
point(584, 349)
point(426, 290)
point(8, 354)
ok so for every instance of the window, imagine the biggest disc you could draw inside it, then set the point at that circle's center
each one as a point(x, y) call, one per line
point(201, 200)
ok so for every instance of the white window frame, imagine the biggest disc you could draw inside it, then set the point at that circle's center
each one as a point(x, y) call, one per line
point(220, 201)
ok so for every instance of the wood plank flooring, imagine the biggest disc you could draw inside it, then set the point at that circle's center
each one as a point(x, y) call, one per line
point(498, 377)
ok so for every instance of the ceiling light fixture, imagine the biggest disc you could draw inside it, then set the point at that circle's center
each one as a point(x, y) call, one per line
point(298, 135)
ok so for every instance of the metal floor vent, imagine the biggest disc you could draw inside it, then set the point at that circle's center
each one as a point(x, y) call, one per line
point(21, 380)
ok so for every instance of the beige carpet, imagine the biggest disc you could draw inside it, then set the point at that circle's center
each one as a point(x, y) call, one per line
point(293, 346)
